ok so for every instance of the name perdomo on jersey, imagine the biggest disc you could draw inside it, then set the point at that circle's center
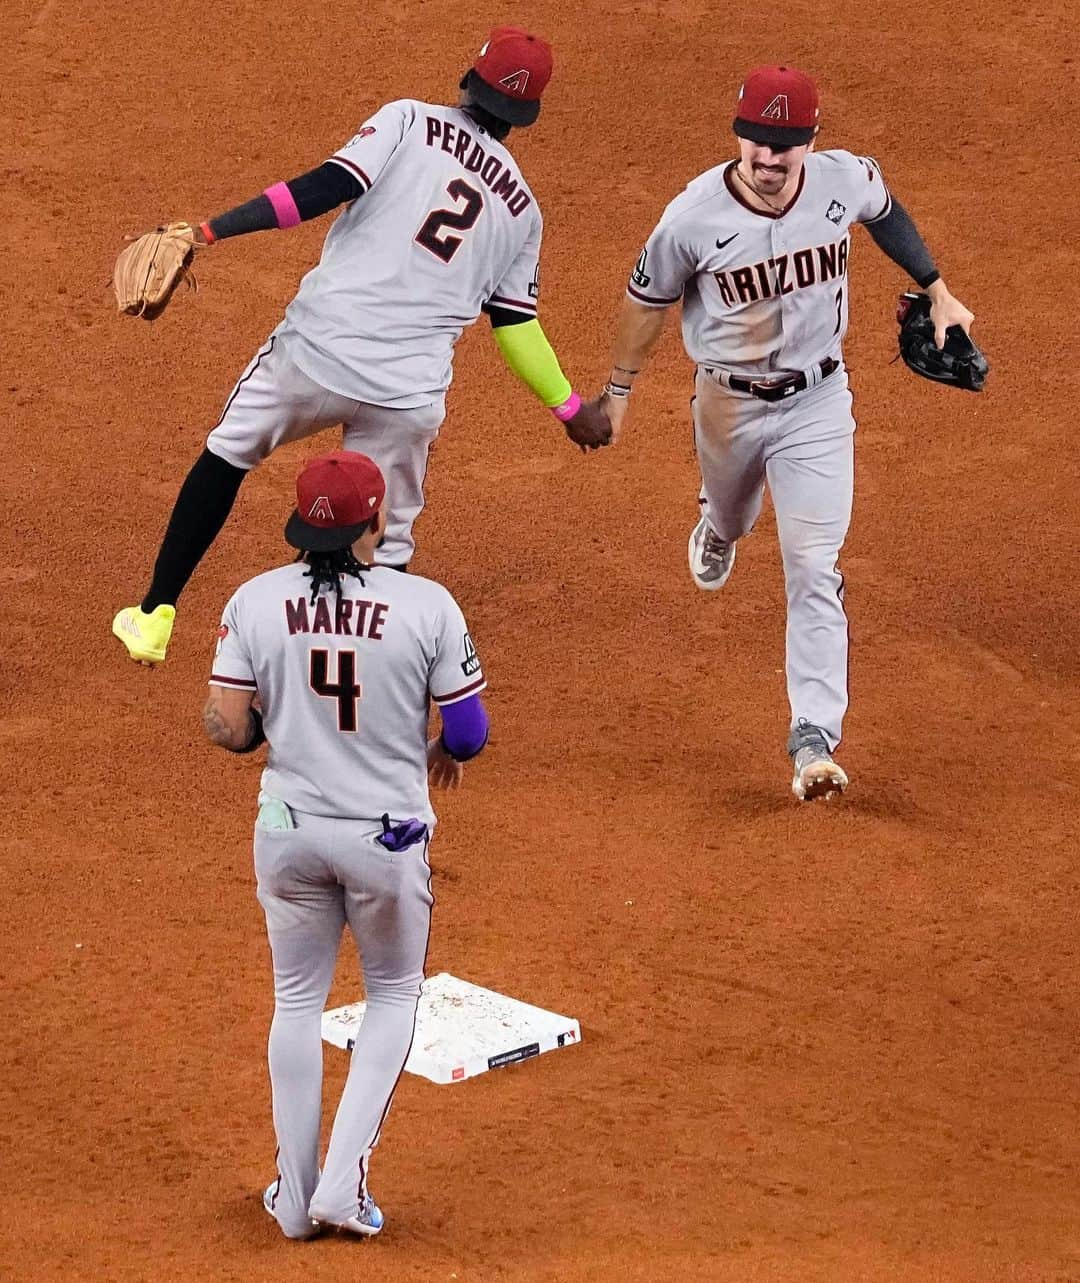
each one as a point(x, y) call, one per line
point(775, 276)
point(465, 149)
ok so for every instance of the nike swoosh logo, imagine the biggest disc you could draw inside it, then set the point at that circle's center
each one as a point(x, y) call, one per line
point(722, 244)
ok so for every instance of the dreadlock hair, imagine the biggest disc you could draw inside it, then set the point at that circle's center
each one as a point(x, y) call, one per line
point(497, 128)
point(328, 567)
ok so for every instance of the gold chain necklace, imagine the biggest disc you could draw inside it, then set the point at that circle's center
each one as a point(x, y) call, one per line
point(777, 209)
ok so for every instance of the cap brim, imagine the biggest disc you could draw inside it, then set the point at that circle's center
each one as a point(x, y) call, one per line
point(774, 135)
point(308, 538)
point(515, 111)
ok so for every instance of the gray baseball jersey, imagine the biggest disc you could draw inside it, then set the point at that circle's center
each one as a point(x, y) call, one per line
point(345, 690)
point(762, 294)
point(446, 224)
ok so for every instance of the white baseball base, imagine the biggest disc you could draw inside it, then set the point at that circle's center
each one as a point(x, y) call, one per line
point(463, 1030)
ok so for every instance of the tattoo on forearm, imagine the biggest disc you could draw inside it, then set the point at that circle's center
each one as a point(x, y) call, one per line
point(214, 724)
point(217, 729)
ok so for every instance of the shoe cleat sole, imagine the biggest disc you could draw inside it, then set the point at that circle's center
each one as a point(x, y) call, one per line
point(820, 780)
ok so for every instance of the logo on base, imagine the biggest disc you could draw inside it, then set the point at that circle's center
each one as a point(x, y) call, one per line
point(513, 1057)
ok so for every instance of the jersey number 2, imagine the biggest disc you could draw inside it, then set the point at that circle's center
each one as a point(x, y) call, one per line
point(346, 690)
point(445, 247)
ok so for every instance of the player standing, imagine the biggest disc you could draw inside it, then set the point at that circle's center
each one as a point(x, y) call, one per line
point(757, 250)
point(343, 656)
point(439, 225)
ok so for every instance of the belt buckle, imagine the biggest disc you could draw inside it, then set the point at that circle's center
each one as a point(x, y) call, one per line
point(774, 391)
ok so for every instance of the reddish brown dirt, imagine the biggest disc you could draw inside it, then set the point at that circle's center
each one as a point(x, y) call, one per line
point(826, 1043)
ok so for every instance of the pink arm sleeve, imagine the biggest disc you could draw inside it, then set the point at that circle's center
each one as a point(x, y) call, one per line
point(284, 205)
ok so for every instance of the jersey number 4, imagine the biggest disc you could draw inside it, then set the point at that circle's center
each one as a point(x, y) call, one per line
point(346, 690)
point(445, 247)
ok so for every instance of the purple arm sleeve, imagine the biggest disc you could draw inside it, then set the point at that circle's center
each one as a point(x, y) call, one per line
point(464, 727)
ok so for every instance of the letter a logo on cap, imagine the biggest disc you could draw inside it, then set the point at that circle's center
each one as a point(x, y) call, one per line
point(777, 109)
point(321, 510)
point(515, 82)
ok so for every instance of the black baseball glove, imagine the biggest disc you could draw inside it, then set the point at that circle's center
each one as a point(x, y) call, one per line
point(959, 362)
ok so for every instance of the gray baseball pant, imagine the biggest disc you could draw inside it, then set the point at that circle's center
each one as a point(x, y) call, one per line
point(312, 880)
point(275, 402)
point(804, 447)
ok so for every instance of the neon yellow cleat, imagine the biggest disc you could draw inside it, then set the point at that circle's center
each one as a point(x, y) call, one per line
point(145, 636)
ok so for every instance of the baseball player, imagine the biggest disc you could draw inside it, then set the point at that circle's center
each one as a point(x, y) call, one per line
point(343, 657)
point(439, 225)
point(757, 251)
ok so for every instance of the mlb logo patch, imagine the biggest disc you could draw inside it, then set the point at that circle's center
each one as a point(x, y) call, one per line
point(835, 212)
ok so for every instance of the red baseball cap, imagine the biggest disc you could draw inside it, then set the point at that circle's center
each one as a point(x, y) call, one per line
point(777, 106)
point(337, 494)
point(510, 73)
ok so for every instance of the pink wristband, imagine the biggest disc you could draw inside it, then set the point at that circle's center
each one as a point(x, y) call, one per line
point(568, 409)
point(284, 205)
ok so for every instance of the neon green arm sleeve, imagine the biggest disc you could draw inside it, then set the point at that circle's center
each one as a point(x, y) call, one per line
point(528, 353)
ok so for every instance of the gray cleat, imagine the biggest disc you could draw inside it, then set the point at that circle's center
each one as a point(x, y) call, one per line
point(816, 774)
point(712, 559)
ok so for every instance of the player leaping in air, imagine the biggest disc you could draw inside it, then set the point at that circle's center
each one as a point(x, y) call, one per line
point(439, 225)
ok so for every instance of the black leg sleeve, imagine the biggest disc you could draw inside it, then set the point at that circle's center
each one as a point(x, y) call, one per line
point(202, 506)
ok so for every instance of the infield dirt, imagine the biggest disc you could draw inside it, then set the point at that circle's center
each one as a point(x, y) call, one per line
point(822, 1043)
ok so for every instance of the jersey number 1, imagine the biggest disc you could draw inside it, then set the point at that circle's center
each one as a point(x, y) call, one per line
point(346, 690)
point(445, 247)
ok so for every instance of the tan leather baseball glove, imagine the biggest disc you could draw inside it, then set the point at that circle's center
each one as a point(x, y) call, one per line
point(151, 267)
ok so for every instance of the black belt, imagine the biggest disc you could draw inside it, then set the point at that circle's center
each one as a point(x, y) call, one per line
point(778, 389)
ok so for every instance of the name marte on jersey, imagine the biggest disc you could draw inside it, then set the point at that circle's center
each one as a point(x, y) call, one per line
point(460, 144)
point(351, 617)
point(775, 276)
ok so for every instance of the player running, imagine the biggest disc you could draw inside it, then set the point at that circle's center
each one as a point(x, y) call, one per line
point(757, 250)
point(343, 657)
point(439, 225)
